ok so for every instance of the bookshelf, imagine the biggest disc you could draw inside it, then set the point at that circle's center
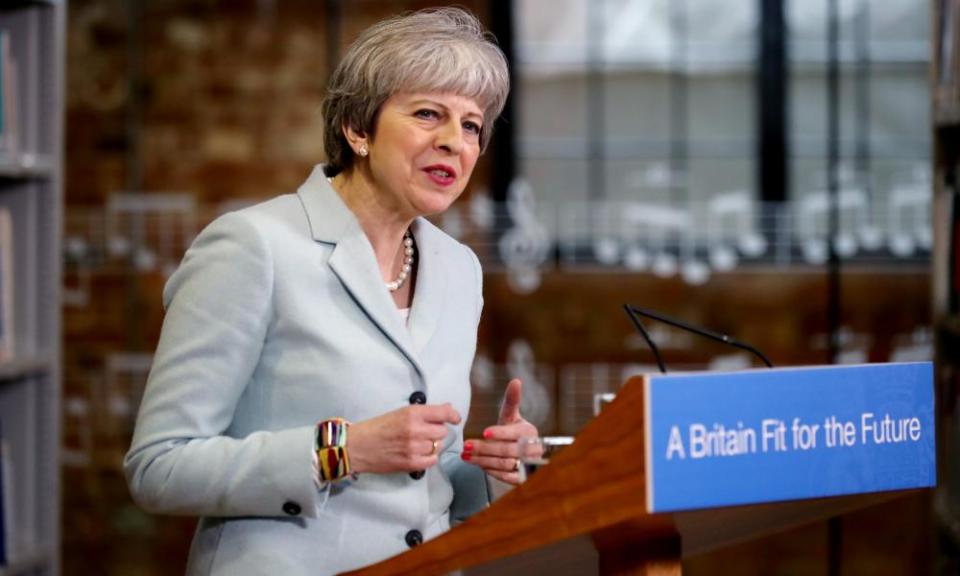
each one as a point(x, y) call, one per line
point(945, 113)
point(32, 38)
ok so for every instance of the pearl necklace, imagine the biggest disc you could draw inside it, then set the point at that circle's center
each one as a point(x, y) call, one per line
point(408, 253)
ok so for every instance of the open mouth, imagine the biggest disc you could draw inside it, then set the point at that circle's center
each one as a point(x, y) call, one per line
point(441, 171)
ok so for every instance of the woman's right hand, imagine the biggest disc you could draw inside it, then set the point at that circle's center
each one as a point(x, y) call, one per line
point(400, 441)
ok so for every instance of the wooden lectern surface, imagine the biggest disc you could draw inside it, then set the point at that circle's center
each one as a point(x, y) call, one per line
point(567, 501)
point(562, 500)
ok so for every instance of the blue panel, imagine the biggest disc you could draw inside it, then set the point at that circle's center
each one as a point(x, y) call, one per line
point(721, 439)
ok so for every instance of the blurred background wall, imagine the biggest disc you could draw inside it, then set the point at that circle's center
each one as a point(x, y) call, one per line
point(676, 155)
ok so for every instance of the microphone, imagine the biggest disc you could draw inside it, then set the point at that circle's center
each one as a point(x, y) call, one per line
point(634, 313)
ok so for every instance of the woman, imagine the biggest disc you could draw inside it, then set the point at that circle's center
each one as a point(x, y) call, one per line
point(309, 389)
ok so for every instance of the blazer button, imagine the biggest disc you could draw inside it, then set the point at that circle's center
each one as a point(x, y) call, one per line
point(291, 508)
point(414, 538)
point(417, 474)
point(418, 397)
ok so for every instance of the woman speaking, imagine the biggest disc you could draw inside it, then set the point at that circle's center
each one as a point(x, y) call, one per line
point(309, 390)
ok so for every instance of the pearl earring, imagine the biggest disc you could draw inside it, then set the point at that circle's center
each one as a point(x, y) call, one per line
point(362, 151)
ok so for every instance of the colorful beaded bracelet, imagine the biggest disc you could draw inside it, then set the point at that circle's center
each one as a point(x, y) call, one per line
point(331, 447)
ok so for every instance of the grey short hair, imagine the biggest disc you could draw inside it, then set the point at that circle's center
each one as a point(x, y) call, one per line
point(432, 50)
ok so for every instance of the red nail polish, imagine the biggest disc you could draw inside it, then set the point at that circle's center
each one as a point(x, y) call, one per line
point(468, 445)
point(487, 434)
point(466, 455)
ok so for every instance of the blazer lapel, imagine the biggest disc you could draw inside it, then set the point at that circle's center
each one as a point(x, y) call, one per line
point(353, 260)
point(430, 292)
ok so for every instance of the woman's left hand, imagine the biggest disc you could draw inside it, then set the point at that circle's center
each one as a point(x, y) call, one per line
point(496, 452)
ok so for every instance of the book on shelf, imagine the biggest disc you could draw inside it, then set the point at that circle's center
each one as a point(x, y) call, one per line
point(7, 554)
point(9, 103)
point(4, 50)
point(946, 89)
point(953, 255)
point(6, 285)
point(946, 43)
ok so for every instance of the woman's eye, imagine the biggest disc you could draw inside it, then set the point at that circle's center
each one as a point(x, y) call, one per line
point(471, 127)
point(426, 113)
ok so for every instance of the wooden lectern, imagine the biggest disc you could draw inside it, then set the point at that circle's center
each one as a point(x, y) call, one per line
point(596, 487)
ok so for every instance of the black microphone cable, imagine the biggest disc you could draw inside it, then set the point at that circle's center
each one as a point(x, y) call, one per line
point(634, 313)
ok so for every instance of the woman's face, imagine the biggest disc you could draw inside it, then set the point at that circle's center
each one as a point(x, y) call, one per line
point(424, 150)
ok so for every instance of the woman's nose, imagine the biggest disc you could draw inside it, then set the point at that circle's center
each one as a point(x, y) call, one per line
point(450, 137)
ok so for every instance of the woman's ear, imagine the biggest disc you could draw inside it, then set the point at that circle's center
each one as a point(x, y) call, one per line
point(357, 140)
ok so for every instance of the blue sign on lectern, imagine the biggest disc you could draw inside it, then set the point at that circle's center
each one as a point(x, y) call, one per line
point(723, 439)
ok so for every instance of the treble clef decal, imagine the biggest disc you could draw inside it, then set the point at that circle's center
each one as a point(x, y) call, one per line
point(525, 246)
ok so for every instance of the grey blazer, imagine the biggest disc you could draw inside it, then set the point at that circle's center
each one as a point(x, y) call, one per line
point(277, 318)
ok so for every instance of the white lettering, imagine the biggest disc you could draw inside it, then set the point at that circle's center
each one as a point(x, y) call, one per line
point(675, 444)
point(721, 441)
point(698, 441)
point(773, 433)
point(889, 430)
point(866, 424)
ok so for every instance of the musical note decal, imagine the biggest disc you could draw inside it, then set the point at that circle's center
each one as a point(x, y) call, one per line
point(153, 230)
point(77, 448)
point(661, 227)
point(635, 257)
point(536, 404)
point(140, 233)
point(604, 229)
point(812, 223)
point(482, 210)
point(729, 362)
point(452, 223)
point(909, 218)
point(84, 252)
point(125, 378)
point(916, 346)
point(76, 271)
point(606, 250)
point(483, 373)
point(731, 222)
point(853, 347)
point(693, 270)
point(525, 246)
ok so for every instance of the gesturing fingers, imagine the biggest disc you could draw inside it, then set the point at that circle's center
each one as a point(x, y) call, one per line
point(510, 432)
point(437, 413)
point(497, 452)
point(407, 439)
point(505, 469)
point(490, 448)
point(510, 408)
point(496, 464)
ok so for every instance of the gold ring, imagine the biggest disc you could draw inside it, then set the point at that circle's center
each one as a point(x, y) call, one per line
point(434, 449)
